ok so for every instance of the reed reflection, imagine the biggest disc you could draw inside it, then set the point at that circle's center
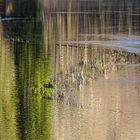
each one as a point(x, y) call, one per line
point(90, 49)
point(33, 65)
point(96, 68)
point(32, 70)
point(8, 97)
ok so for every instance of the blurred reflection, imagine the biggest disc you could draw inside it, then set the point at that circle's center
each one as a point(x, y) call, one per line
point(96, 69)
point(31, 61)
point(33, 71)
point(82, 54)
point(107, 109)
point(96, 16)
point(76, 67)
point(8, 97)
point(90, 49)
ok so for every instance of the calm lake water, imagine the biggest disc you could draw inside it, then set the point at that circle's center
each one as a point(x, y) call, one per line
point(89, 50)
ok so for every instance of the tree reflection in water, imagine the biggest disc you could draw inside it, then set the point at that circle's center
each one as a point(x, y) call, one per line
point(90, 49)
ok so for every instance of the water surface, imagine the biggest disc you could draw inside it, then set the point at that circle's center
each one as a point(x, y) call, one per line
point(89, 50)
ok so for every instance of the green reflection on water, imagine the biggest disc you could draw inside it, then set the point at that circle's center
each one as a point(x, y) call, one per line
point(33, 70)
point(24, 61)
point(7, 93)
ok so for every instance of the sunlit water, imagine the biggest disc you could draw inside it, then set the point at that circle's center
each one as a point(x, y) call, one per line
point(90, 50)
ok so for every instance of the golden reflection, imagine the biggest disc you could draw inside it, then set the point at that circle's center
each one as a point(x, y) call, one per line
point(9, 7)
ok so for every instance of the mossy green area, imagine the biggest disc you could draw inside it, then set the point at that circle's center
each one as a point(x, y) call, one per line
point(33, 75)
point(34, 64)
point(32, 61)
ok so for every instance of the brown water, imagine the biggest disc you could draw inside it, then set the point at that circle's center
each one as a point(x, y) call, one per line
point(89, 50)
point(101, 99)
point(104, 110)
